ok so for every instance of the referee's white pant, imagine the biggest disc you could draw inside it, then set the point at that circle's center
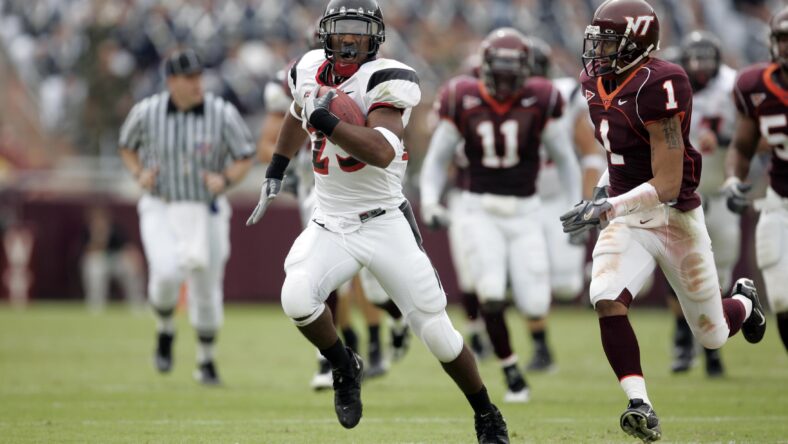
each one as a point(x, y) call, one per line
point(167, 268)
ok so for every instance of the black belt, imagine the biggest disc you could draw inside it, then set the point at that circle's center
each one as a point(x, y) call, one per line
point(371, 214)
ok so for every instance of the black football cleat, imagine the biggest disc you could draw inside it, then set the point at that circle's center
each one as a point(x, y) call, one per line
point(714, 368)
point(683, 357)
point(162, 359)
point(516, 387)
point(640, 420)
point(206, 374)
point(754, 326)
point(400, 341)
point(541, 361)
point(491, 427)
point(376, 365)
point(347, 391)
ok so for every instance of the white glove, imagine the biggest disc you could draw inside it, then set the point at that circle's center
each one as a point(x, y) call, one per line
point(268, 192)
point(736, 194)
point(434, 216)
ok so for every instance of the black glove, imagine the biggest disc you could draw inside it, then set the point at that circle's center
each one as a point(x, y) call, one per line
point(736, 194)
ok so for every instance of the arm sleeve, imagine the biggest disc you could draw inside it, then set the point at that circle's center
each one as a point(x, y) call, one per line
point(666, 97)
point(235, 134)
point(439, 155)
point(561, 150)
point(132, 130)
point(393, 87)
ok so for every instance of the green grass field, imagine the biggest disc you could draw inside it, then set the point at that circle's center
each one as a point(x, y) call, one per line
point(68, 376)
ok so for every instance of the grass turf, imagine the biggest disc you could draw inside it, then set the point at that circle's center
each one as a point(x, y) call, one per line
point(69, 376)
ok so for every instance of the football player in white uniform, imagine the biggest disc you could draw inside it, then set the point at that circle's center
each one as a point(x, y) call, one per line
point(299, 174)
point(713, 116)
point(362, 218)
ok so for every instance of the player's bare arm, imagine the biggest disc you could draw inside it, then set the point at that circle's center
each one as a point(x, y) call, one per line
point(667, 157)
point(368, 144)
point(742, 148)
point(269, 134)
point(744, 145)
point(218, 182)
point(146, 177)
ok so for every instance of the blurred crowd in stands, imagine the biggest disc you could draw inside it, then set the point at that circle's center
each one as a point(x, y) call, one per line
point(83, 63)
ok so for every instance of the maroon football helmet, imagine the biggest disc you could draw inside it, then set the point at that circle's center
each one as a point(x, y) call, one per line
point(506, 62)
point(621, 34)
point(779, 32)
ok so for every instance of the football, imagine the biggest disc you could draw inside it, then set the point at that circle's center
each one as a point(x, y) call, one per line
point(344, 107)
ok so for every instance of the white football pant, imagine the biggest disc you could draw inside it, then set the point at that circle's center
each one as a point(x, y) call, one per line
point(771, 241)
point(627, 252)
point(389, 246)
point(458, 216)
point(167, 270)
point(504, 242)
point(567, 261)
point(724, 228)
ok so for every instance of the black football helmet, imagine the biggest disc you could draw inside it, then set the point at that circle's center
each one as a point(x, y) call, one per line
point(779, 31)
point(621, 34)
point(359, 17)
point(701, 57)
point(541, 56)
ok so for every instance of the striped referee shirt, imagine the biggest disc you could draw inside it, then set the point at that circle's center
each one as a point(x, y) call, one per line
point(185, 144)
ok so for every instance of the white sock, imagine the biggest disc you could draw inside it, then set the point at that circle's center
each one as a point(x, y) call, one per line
point(398, 325)
point(747, 305)
point(165, 325)
point(475, 326)
point(204, 352)
point(635, 387)
point(511, 360)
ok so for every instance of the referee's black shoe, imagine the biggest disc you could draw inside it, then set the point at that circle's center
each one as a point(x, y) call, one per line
point(206, 374)
point(347, 391)
point(163, 356)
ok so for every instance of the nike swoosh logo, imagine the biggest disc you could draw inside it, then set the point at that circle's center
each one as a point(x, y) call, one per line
point(348, 92)
point(646, 221)
point(528, 101)
point(588, 215)
point(621, 102)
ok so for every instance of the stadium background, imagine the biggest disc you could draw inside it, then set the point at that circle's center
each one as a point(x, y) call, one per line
point(71, 69)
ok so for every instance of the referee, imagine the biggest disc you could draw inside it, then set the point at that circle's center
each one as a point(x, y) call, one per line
point(185, 148)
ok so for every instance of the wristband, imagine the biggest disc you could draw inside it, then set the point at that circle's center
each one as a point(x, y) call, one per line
point(323, 121)
point(276, 169)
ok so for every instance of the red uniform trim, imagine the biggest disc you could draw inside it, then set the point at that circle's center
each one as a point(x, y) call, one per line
point(773, 87)
point(629, 376)
point(498, 107)
point(377, 105)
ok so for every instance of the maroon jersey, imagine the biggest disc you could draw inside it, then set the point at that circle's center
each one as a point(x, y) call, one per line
point(656, 90)
point(759, 97)
point(501, 139)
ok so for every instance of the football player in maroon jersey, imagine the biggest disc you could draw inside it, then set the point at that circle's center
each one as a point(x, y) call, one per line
point(641, 108)
point(502, 118)
point(761, 96)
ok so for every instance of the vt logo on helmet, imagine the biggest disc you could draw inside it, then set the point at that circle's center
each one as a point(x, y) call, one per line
point(351, 32)
point(621, 34)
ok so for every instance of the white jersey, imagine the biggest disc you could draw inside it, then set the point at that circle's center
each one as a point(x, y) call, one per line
point(344, 186)
point(549, 184)
point(713, 110)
